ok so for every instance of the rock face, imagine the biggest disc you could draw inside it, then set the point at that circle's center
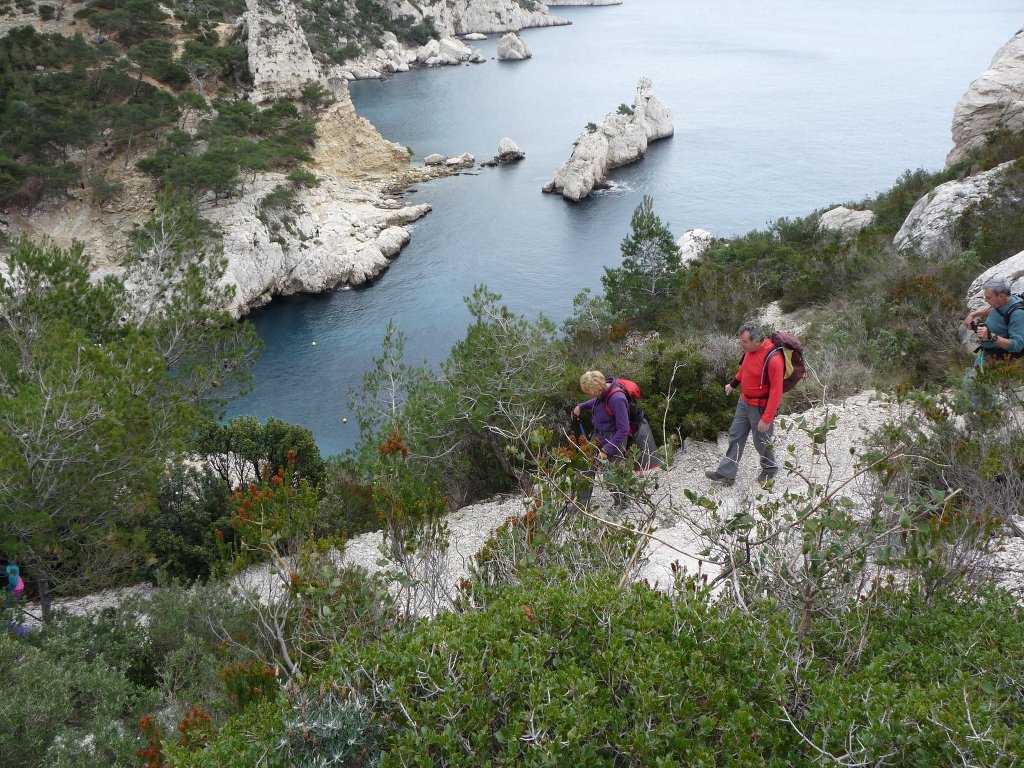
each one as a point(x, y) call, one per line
point(460, 17)
point(995, 100)
point(618, 140)
point(693, 243)
point(474, 36)
point(512, 47)
point(280, 60)
point(931, 223)
point(568, 3)
point(845, 220)
point(508, 152)
point(1012, 269)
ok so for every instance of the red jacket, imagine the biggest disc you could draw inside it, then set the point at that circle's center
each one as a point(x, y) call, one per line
point(760, 391)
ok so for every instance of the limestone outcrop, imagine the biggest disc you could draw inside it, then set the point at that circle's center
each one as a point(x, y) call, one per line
point(568, 3)
point(474, 36)
point(508, 152)
point(930, 226)
point(460, 17)
point(994, 100)
point(280, 60)
point(1012, 269)
point(845, 220)
point(693, 243)
point(620, 139)
point(512, 47)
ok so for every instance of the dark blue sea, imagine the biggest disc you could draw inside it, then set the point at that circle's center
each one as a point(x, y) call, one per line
point(780, 109)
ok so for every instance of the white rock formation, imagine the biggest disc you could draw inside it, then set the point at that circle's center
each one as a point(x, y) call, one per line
point(460, 17)
point(693, 243)
point(931, 223)
point(1012, 269)
point(280, 60)
point(567, 3)
point(845, 220)
point(618, 140)
point(508, 152)
point(465, 160)
point(435, 159)
point(474, 36)
point(512, 47)
point(994, 100)
point(477, 57)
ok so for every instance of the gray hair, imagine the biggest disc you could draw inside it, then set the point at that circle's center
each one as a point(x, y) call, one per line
point(999, 285)
point(754, 329)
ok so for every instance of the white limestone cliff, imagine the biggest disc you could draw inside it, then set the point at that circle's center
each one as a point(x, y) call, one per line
point(931, 224)
point(568, 3)
point(460, 17)
point(994, 100)
point(620, 139)
point(512, 47)
point(280, 60)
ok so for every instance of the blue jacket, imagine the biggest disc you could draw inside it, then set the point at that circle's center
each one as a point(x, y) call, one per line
point(1008, 324)
point(610, 430)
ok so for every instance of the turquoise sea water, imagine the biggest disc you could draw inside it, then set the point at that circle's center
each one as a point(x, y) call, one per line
point(780, 109)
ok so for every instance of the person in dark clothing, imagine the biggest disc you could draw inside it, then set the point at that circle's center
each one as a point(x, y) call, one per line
point(609, 415)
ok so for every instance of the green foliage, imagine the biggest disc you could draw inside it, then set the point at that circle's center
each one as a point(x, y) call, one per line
point(591, 127)
point(346, 505)
point(66, 705)
point(650, 266)
point(191, 528)
point(891, 208)
point(243, 450)
point(594, 675)
point(683, 392)
point(993, 229)
point(327, 727)
point(625, 109)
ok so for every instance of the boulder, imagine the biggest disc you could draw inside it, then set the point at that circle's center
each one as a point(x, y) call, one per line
point(474, 36)
point(995, 100)
point(455, 48)
point(1012, 269)
point(693, 243)
point(464, 160)
point(512, 47)
point(844, 220)
point(931, 224)
point(477, 57)
point(434, 159)
point(621, 138)
point(508, 152)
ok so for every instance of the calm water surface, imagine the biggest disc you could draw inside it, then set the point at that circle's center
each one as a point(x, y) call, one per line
point(780, 109)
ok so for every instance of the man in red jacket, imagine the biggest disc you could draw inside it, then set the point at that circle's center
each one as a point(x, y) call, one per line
point(759, 402)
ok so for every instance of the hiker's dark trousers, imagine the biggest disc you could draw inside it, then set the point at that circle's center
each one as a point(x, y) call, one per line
point(743, 424)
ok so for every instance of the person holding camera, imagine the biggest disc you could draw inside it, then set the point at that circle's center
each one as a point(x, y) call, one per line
point(999, 325)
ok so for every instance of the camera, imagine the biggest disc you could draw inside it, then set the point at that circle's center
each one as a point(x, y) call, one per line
point(977, 323)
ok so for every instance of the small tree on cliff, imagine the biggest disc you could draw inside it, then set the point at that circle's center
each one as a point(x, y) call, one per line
point(650, 266)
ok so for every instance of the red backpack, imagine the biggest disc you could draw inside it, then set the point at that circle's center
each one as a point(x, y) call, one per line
point(632, 392)
point(793, 367)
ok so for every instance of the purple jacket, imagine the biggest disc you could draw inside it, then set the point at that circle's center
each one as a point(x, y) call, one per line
point(610, 430)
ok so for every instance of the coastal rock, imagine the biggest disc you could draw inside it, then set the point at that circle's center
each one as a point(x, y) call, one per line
point(508, 152)
point(1012, 269)
point(568, 3)
point(512, 47)
point(693, 243)
point(464, 160)
point(434, 159)
point(930, 226)
point(280, 60)
point(477, 57)
point(845, 220)
point(474, 36)
point(995, 100)
point(461, 17)
point(620, 139)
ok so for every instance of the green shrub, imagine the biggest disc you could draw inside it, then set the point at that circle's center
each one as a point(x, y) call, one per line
point(191, 529)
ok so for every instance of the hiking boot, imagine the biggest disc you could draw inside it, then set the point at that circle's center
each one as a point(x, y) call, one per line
point(767, 479)
point(718, 477)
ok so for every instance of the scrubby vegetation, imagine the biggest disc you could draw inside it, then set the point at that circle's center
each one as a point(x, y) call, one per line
point(806, 636)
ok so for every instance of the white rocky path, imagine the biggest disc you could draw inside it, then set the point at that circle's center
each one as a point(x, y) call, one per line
point(677, 538)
